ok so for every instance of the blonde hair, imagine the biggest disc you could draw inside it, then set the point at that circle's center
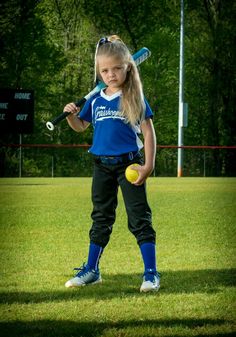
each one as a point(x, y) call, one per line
point(132, 105)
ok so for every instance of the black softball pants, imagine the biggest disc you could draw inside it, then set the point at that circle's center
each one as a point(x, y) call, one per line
point(106, 181)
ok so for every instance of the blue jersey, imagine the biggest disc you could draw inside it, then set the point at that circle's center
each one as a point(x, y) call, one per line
point(112, 136)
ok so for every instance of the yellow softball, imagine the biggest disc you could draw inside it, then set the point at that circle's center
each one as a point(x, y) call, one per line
point(130, 174)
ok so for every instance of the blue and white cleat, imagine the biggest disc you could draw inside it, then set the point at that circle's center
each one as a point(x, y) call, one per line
point(84, 277)
point(151, 281)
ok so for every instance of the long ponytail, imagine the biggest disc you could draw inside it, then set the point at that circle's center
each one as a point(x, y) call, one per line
point(132, 105)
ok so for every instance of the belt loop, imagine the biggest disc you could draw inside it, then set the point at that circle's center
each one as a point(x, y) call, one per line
point(131, 156)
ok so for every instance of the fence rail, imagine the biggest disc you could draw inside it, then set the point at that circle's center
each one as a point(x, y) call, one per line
point(211, 147)
point(56, 160)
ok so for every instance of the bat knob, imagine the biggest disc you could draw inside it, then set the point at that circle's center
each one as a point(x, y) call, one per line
point(50, 126)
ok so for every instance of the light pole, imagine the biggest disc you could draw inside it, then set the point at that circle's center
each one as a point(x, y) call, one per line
point(181, 94)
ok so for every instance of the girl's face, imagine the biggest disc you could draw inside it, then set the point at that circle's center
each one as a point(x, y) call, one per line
point(112, 71)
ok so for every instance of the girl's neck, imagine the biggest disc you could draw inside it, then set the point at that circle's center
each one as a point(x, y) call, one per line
point(111, 91)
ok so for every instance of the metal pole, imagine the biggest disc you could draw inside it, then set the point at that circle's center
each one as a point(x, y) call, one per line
point(181, 93)
point(204, 163)
point(20, 156)
point(52, 166)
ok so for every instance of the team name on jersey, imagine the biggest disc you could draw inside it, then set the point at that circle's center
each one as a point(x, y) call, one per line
point(102, 112)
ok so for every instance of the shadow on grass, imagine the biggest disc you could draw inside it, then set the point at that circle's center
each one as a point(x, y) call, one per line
point(55, 328)
point(125, 285)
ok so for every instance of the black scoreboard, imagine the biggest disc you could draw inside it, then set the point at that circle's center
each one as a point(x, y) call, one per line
point(16, 111)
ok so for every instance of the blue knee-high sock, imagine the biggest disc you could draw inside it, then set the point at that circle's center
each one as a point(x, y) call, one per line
point(148, 251)
point(94, 255)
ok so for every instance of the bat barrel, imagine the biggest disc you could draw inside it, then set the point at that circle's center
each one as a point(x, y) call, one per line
point(141, 55)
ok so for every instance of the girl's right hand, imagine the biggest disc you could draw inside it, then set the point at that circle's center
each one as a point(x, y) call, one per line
point(71, 108)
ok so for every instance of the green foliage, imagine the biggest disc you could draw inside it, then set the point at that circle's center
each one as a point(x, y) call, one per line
point(49, 46)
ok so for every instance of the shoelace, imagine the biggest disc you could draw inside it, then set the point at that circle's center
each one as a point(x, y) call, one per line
point(80, 269)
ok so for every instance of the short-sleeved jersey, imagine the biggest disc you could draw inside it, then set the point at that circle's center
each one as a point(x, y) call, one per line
point(112, 136)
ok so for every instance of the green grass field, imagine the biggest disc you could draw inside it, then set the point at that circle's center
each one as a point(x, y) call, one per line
point(44, 235)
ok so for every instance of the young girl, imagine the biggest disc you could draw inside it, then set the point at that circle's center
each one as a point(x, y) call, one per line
point(118, 114)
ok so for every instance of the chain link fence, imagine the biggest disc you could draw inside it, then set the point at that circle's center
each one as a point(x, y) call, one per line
point(51, 160)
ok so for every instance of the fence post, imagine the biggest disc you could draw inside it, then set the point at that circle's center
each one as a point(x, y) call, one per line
point(20, 156)
point(52, 166)
point(204, 163)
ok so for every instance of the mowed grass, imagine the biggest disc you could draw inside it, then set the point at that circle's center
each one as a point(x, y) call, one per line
point(44, 235)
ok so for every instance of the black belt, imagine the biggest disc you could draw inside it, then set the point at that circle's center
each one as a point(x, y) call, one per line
point(114, 160)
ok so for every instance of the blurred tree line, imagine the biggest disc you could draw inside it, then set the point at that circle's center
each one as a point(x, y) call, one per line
point(49, 45)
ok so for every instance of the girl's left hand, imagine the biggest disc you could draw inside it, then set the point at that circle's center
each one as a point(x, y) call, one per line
point(143, 173)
